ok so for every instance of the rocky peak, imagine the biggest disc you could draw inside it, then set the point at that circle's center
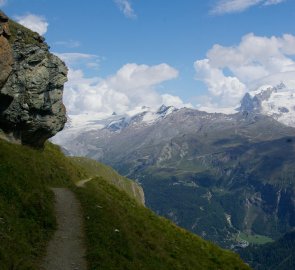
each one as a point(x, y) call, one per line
point(31, 86)
point(276, 102)
point(250, 104)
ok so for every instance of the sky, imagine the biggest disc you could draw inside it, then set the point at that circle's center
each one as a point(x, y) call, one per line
point(125, 54)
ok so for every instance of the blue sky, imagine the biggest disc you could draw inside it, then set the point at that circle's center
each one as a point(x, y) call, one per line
point(125, 53)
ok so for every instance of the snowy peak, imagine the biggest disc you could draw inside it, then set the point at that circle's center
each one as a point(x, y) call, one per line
point(118, 125)
point(277, 102)
point(152, 117)
point(144, 118)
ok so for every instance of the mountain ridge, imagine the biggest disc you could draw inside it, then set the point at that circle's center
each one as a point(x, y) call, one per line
point(266, 100)
point(191, 163)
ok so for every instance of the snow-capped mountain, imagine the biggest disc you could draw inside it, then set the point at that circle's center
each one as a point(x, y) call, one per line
point(146, 117)
point(277, 102)
point(193, 164)
point(84, 123)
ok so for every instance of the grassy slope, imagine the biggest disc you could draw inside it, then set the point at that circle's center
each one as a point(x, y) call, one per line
point(26, 204)
point(124, 235)
point(95, 168)
point(144, 240)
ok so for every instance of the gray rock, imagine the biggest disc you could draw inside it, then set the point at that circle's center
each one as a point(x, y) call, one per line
point(31, 88)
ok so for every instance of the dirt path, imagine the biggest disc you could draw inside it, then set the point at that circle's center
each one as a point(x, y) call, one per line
point(66, 250)
point(81, 183)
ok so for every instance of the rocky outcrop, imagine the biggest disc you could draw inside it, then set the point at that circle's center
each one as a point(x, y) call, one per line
point(6, 57)
point(31, 86)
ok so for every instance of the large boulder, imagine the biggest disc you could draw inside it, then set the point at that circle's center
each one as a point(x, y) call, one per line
point(31, 86)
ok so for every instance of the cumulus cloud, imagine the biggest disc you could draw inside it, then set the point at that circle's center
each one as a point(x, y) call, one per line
point(34, 22)
point(228, 72)
point(132, 86)
point(126, 8)
point(234, 6)
point(2, 3)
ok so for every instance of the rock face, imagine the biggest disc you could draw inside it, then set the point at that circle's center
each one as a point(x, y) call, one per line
point(31, 86)
point(6, 57)
point(277, 102)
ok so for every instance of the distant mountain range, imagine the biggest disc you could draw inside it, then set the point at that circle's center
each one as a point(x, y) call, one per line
point(220, 176)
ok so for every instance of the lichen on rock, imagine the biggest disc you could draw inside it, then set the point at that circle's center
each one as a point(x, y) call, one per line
point(31, 87)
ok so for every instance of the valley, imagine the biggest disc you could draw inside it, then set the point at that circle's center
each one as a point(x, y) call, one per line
point(216, 175)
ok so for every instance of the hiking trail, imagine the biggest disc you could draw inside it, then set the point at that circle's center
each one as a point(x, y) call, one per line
point(66, 250)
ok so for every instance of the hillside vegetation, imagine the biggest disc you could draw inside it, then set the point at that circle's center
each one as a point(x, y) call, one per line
point(26, 204)
point(279, 255)
point(28, 36)
point(94, 168)
point(121, 233)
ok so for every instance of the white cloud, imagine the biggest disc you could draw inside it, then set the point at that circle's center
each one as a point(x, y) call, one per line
point(131, 87)
point(273, 2)
point(78, 60)
point(72, 58)
point(234, 6)
point(227, 90)
point(126, 8)
point(2, 3)
point(34, 22)
point(170, 100)
point(68, 44)
point(228, 72)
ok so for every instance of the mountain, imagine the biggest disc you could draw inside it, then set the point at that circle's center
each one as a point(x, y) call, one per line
point(277, 102)
point(277, 255)
point(84, 124)
point(193, 165)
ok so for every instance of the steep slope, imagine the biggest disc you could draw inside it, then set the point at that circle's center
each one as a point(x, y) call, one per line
point(124, 235)
point(96, 169)
point(26, 204)
point(27, 219)
point(193, 165)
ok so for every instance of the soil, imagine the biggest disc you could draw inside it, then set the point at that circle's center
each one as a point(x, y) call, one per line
point(66, 250)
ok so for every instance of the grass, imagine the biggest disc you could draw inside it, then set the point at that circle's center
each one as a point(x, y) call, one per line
point(27, 220)
point(121, 233)
point(255, 238)
point(27, 35)
point(94, 168)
